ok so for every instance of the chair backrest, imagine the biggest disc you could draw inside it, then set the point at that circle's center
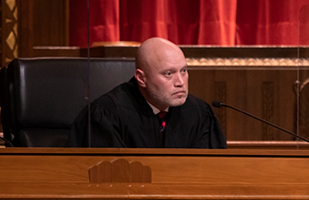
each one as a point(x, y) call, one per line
point(5, 111)
point(46, 94)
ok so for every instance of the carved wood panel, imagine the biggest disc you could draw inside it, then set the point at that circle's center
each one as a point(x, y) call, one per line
point(119, 170)
point(9, 31)
point(265, 92)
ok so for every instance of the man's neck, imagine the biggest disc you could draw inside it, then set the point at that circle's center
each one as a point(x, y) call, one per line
point(155, 109)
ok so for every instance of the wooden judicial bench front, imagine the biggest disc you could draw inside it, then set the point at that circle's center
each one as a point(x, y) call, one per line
point(116, 173)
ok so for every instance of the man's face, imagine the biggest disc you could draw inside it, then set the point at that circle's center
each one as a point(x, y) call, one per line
point(167, 81)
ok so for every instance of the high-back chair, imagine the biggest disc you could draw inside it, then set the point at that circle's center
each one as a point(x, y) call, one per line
point(40, 97)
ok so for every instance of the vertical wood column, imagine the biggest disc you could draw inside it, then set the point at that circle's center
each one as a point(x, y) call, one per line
point(25, 28)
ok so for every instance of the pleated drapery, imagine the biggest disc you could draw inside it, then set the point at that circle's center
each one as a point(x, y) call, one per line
point(203, 22)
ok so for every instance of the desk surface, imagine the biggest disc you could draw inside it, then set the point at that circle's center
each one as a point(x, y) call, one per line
point(115, 173)
point(250, 151)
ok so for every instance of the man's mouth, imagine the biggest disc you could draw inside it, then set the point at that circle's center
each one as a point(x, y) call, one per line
point(180, 93)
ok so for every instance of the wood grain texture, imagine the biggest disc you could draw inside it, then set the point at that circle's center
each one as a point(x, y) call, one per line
point(267, 94)
point(176, 174)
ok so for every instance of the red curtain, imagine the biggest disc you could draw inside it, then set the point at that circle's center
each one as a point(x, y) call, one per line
point(203, 22)
point(268, 22)
point(103, 21)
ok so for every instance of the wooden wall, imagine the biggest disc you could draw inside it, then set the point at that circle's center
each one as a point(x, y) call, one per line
point(51, 23)
point(264, 93)
point(259, 80)
point(41, 24)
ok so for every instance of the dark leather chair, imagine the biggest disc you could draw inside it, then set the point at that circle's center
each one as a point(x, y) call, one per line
point(41, 97)
point(5, 112)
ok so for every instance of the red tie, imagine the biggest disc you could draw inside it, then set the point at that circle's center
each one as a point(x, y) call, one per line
point(161, 115)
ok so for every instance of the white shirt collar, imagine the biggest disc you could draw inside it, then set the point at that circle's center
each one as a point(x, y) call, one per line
point(156, 110)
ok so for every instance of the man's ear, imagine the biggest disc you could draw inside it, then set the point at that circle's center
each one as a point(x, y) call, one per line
point(140, 77)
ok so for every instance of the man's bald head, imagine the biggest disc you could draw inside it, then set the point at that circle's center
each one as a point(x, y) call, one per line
point(155, 50)
point(161, 73)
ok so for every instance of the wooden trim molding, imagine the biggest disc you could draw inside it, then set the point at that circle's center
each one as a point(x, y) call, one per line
point(248, 63)
point(274, 145)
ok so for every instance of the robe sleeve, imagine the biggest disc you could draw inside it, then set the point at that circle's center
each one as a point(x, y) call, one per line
point(217, 137)
point(210, 134)
point(104, 126)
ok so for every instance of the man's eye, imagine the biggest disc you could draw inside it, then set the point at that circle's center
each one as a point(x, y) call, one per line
point(184, 71)
point(168, 74)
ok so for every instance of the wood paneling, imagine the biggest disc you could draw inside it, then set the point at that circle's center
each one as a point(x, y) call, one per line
point(267, 94)
point(176, 174)
point(42, 23)
point(50, 23)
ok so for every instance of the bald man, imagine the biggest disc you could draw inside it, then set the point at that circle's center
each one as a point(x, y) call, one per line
point(127, 116)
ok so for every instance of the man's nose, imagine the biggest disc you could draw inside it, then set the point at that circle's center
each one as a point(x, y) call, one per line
point(179, 80)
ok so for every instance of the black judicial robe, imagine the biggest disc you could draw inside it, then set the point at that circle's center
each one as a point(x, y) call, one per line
point(123, 118)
